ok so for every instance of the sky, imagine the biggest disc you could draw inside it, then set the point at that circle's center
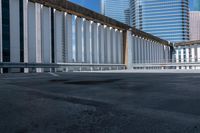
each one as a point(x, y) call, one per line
point(90, 4)
point(95, 4)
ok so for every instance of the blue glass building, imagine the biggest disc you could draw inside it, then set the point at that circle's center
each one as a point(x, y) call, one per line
point(116, 9)
point(196, 5)
point(167, 19)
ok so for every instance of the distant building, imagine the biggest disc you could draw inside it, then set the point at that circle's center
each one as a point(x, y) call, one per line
point(116, 9)
point(196, 5)
point(167, 19)
point(194, 25)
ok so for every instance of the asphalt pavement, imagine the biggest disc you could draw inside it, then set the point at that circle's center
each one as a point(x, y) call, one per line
point(100, 103)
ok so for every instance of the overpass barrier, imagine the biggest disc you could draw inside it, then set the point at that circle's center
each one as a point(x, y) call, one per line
point(59, 67)
point(59, 31)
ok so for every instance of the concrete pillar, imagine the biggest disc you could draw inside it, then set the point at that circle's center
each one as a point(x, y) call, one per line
point(139, 50)
point(198, 53)
point(193, 54)
point(121, 47)
point(79, 37)
point(58, 37)
point(108, 48)
point(130, 49)
point(105, 44)
point(142, 49)
point(101, 45)
point(117, 47)
point(151, 52)
point(87, 41)
point(14, 33)
point(68, 39)
point(46, 35)
point(114, 46)
point(34, 33)
point(1, 51)
point(95, 46)
point(135, 49)
point(25, 24)
point(187, 55)
point(146, 51)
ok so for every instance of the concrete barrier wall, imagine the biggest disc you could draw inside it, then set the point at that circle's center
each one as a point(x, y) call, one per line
point(54, 35)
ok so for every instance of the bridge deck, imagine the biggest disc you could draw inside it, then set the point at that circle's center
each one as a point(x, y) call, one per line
point(100, 103)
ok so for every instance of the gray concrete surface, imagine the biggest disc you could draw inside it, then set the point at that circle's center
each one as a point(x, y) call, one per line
point(100, 103)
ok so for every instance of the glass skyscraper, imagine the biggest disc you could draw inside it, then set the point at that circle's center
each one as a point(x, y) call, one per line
point(116, 9)
point(167, 19)
point(196, 5)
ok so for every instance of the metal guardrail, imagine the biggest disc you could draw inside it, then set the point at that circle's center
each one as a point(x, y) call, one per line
point(65, 67)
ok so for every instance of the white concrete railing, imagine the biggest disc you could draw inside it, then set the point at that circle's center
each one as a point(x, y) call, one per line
point(168, 64)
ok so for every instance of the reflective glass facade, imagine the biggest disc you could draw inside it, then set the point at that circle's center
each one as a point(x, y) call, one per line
point(167, 19)
point(196, 5)
point(116, 9)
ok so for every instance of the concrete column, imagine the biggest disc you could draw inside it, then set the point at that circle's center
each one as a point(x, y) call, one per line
point(34, 33)
point(187, 55)
point(142, 49)
point(130, 49)
point(79, 37)
point(87, 41)
point(114, 47)
point(46, 35)
point(155, 51)
point(68, 39)
point(108, 48)
point(105, 44)
point(58, 37)
point(136, 49)
point(150, 52)
point(95, 47)
point(119, 47)
point(25, 24)
point(14, 33)
point(193, 54)
point(1, 51)
point(101, 44)
point(139, 50)
point(146, 51)
point(198, 53)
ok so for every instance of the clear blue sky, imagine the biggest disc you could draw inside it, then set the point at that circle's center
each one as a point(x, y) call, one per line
point(90, 4)
point(95, 4)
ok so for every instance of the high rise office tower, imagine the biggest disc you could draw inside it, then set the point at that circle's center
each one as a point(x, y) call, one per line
point(194, 25)
point(116, 9)
point(167, 19)
point(196, 5)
